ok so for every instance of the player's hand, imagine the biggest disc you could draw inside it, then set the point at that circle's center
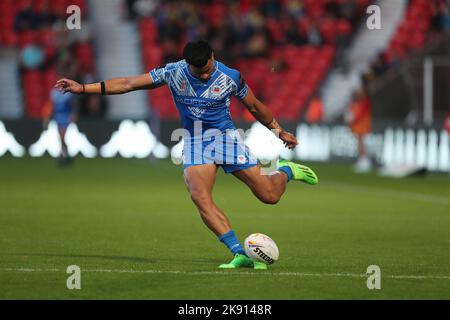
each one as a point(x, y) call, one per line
point(67, 85)
point(290, 141)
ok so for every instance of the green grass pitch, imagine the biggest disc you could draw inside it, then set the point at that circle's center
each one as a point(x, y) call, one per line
point(132, 229)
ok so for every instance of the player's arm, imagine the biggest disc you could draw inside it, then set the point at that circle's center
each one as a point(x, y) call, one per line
point(263, 114)
point(108, 87)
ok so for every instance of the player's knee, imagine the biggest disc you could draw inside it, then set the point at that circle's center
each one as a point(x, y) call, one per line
point(201, 199)
point(270, 198)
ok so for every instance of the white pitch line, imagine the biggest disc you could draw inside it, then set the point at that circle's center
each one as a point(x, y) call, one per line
point(224, 273)
point(406, 195)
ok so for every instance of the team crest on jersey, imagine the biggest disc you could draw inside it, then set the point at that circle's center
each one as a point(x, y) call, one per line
point(241, 159)
point(216, 91)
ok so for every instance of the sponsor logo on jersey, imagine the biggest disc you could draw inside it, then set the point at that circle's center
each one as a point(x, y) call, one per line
point(197, 102)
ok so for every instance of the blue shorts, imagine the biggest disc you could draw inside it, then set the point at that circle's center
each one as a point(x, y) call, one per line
point(228, 152)
point(62, 120)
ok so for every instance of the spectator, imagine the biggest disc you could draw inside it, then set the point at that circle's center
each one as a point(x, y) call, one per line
point(129, 7)
point(169, 22)
point(144, 8)
point(314, 35)
point(64, 112)
point(314, 113)
point(359, 119)
point(379, 65)
point(295, 8)
point(170, 49)
point(257, 45)
point(271, 8)
point(445, 17)
point(46, 18)
point(447, 123)
point(348, 10)
point(253, 29)
point(254, 22)
point(26, 19)
point(292, 31)
point(436, 18)
point(240, 28)
point(32, 57)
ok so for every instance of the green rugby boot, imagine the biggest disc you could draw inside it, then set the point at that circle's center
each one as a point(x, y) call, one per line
point(300, 172)
point(259, 265)
point(239, 261)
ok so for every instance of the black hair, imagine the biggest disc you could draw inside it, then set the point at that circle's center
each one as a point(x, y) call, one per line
point(197, 53)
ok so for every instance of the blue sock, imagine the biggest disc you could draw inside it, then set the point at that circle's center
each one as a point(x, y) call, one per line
point(288, 172)
point(232, 243)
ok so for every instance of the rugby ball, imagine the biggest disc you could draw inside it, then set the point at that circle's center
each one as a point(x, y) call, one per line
point(260, 247)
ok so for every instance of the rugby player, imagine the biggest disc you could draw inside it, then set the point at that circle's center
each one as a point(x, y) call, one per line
point(201, 88)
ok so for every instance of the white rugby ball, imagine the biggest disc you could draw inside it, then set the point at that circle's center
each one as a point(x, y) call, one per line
point(262, 248)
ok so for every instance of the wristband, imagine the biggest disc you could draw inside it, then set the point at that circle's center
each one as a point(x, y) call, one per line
point(102, 84)
point(267, 125)
point(274, 125)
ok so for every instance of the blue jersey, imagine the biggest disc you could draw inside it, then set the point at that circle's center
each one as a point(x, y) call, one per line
point(62, 102)
point(204, 108)
point(197, 100)
point(62, 106)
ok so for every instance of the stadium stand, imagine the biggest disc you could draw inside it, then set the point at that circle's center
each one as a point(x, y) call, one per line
point(422, 21)
point(412, 32)
point(40, 25)
point(283, 48)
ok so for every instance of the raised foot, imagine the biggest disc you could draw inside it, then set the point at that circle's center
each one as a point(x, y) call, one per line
point(300, 172)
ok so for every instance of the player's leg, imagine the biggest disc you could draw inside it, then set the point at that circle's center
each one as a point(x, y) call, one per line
point(267, 188)
point(363, 163)
point(62, 135)
point(64, 158)
point(270, 188)
point(200, 182)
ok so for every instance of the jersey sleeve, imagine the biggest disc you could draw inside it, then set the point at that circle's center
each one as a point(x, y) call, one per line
point(242, 88)
point(160, 75)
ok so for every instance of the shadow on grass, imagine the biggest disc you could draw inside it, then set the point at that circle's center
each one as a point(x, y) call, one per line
point(116, 258)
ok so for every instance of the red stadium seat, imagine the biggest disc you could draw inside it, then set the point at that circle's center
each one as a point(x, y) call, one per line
point(411, 34)
point(34, 93)
point(10, 39)
point(148, 31)
point(328, 30)
point(37, 85)
point(417, 40)
point(286, 91)
point(85, 55)
point(275, 30)
point(26, 38)
point(344, 27)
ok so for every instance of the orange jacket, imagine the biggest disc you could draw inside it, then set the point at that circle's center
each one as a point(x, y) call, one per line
point(362, 116)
